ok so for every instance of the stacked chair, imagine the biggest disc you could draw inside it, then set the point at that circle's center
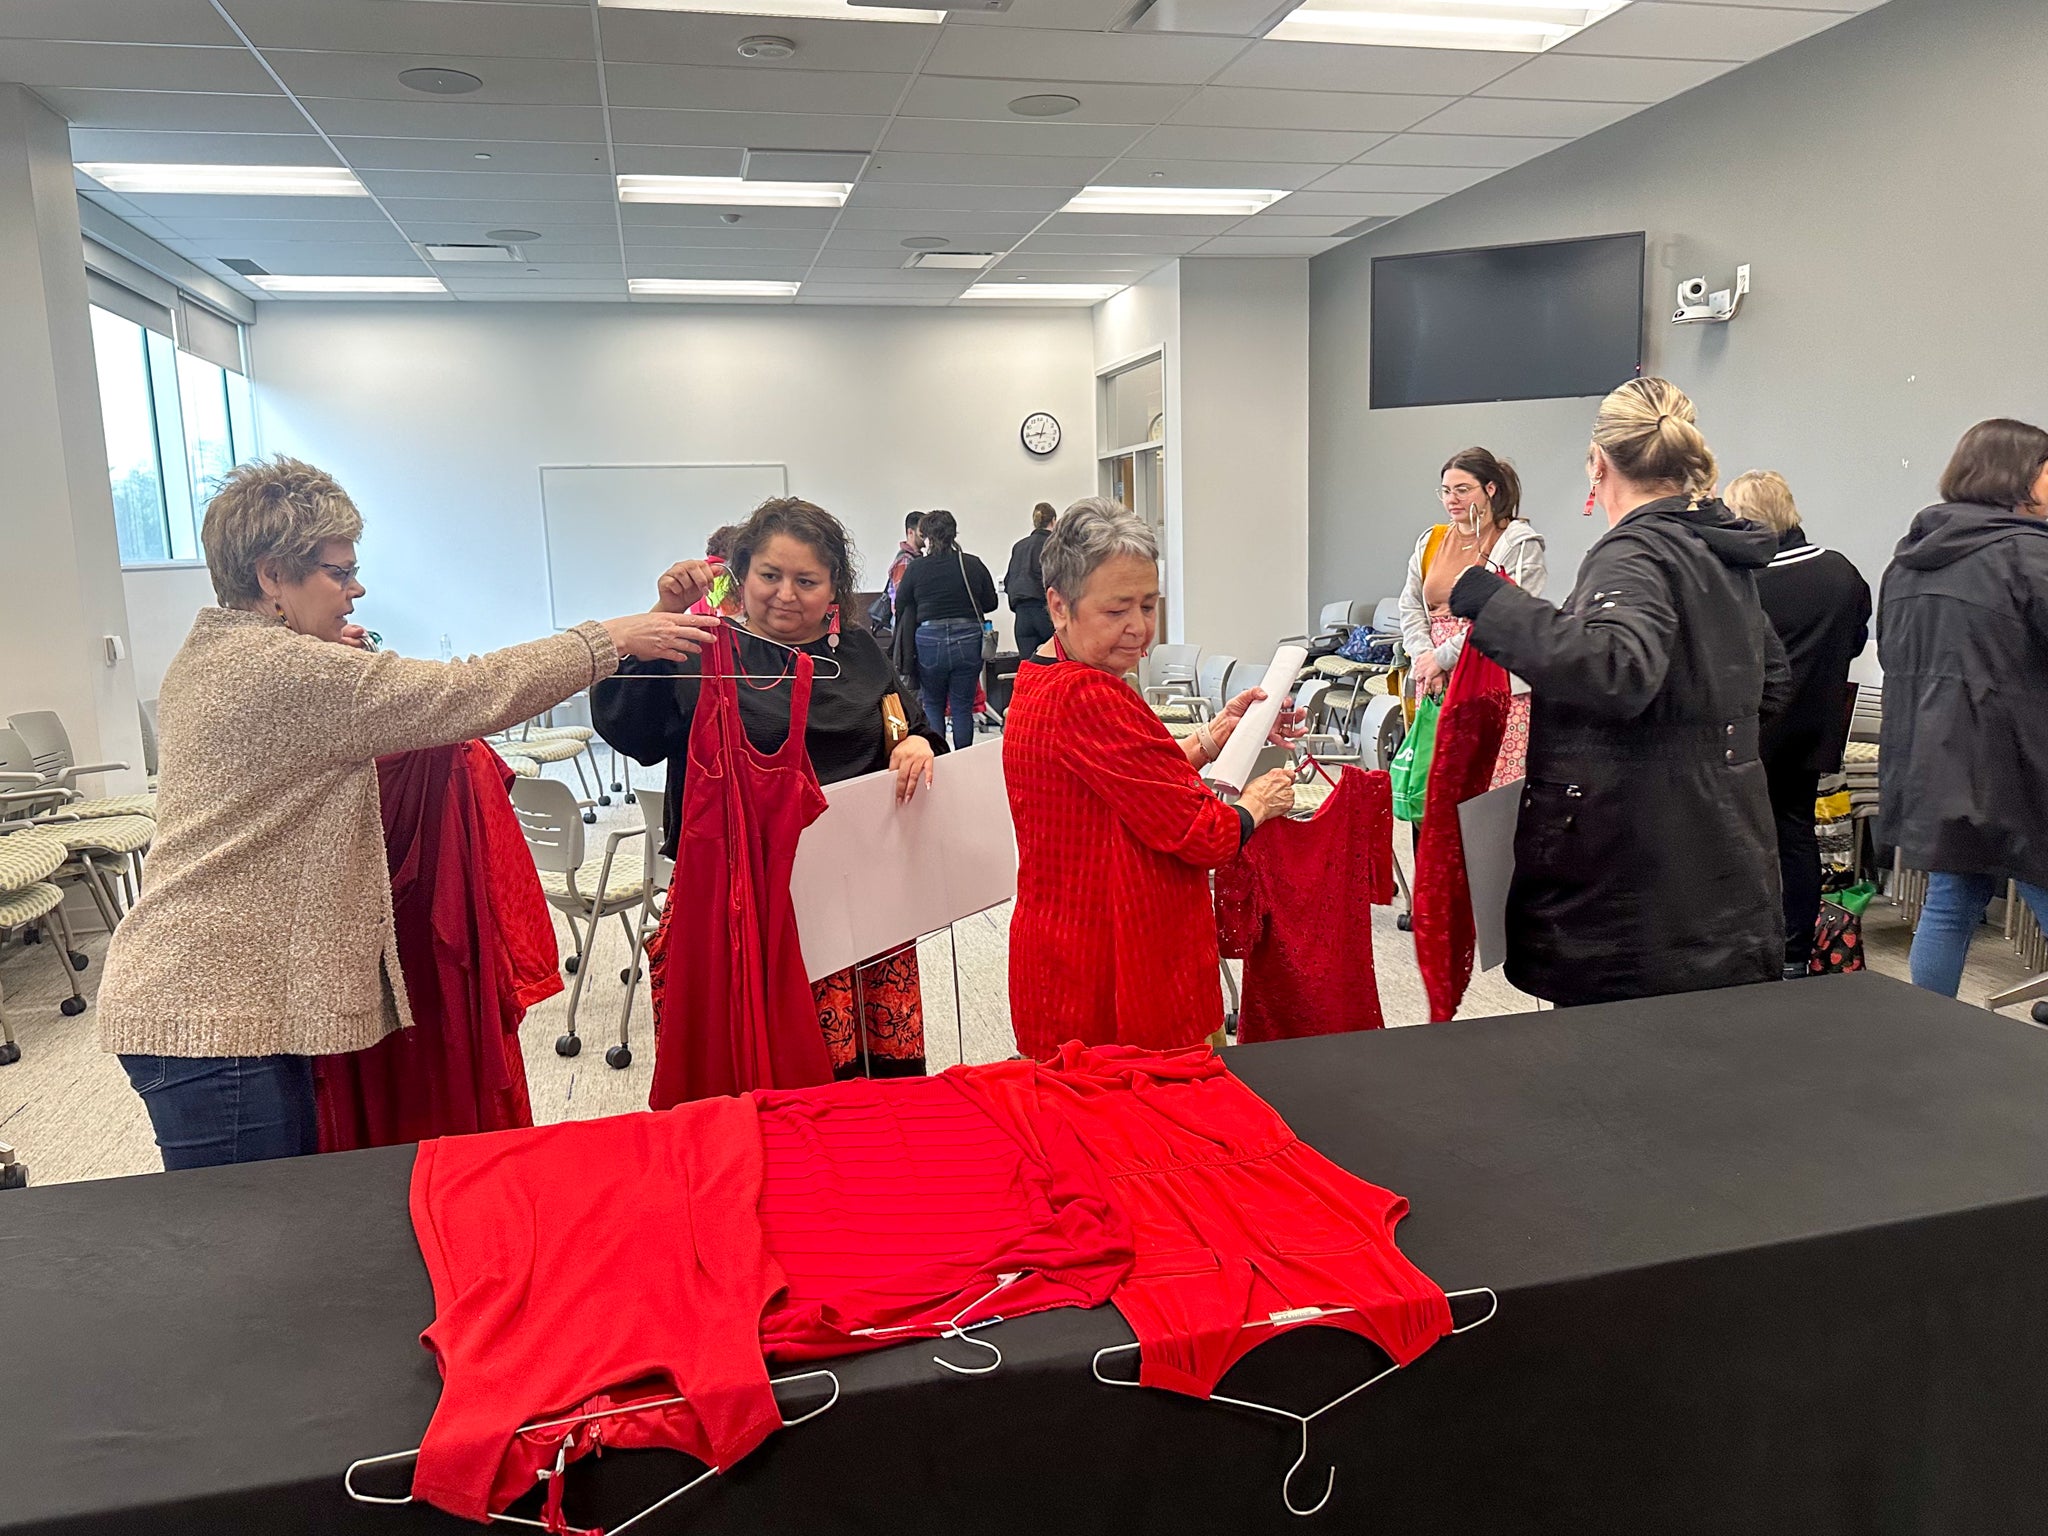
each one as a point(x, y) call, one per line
point(31, 903)
point(105, 837)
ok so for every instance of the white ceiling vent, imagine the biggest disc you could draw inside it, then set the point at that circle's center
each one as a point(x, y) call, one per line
point(963, 261)
point(470, 253)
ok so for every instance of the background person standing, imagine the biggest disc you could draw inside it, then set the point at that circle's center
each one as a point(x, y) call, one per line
point(1024, 582)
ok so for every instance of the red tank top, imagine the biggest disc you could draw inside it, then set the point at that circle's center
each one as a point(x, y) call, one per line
point(736, 1007)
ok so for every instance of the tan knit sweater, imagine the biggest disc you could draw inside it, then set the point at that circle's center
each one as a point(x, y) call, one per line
point(265, 923)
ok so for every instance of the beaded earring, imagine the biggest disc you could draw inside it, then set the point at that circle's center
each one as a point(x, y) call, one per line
point(832, 633)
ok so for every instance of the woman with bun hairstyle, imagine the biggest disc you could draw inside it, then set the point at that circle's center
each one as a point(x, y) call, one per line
point(1645, 860)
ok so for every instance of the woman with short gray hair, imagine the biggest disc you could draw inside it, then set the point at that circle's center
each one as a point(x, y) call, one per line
point(1113, 939)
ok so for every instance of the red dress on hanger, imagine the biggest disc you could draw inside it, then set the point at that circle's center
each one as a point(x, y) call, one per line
point(735, 1009)
point(1468, 737)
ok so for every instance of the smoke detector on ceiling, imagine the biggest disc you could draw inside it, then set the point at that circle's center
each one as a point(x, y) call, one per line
point(436, 81)
point(512, 236)
point(766, 47)
point(926, 243)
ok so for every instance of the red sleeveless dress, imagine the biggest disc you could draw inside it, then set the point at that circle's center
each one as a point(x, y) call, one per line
point(735, 1009)
point(1469, 732)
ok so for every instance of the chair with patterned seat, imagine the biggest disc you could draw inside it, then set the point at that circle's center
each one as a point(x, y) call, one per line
point(47, 749)
point(30, 902)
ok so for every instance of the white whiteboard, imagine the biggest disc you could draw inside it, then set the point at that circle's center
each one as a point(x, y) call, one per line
point(612, 529)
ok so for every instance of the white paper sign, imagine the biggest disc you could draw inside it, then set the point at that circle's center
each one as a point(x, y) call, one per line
point(1487, 824)
point(871, 875)
point(1246, 742)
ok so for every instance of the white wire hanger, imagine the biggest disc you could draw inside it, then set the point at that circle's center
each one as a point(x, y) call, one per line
point(955, 1328)
point(550, 1477)
point(1288, 1319)
point(818, 663)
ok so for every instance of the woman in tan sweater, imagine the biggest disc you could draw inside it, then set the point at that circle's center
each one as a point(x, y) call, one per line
point(265, 937)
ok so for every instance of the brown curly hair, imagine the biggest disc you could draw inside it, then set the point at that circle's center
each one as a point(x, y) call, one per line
point(807, 523)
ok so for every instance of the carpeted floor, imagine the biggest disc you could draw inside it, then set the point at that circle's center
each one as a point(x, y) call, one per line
point(67, 1109)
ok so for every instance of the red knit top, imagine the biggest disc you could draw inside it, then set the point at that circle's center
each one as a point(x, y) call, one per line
point(1113, 940)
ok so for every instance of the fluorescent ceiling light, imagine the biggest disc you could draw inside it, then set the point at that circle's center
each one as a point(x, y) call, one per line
point(831, 9)
point(711, 287)
point(733, 191)
point(349, 284)
point(1169, 200)
point(228, 180)
point(1502, 26)
point(1043, 293)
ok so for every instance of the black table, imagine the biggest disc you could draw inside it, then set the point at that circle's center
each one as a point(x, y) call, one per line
point(1770, 1260)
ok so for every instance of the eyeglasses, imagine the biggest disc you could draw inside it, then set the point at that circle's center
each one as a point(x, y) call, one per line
point(344, 575)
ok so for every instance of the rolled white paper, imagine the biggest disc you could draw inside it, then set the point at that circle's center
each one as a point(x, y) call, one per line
point(1242, 750)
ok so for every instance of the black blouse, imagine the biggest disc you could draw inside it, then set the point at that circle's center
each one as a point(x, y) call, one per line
point(651, 723)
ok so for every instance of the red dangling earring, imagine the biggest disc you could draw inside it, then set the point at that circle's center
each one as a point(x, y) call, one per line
point(832, 633)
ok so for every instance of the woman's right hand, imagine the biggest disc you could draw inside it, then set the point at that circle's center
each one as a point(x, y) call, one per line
point(661, 636)
point(682, 585)
point(1428, 674)
point(1269, 795)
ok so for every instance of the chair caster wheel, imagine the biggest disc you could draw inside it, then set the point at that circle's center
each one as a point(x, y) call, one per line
point(632, 799)
point(80, 960)
point(1405, 922)
point(10, 1053)
point(2041, 1013)
point(616, 787)
point(568, 1045)
point(569, 965)
point(590, 818)
point(619, 1057)
point(604, 799)
point(71, 1007)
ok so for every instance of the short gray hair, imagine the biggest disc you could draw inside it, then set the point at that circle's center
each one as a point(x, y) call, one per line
point(1089, 532)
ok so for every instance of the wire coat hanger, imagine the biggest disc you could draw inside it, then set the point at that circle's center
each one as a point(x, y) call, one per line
point(817, 664)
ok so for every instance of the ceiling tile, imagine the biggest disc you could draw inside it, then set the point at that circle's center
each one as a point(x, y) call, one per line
point(681, 37)
point(1020, 53)
point(1351, 205)
point(987, 170)
point(746, 130)
point(1436, 180)
point(1852, 6)
point(378, 26)
point(313, 261)
point(535, 287)
point(1342, 111)
point(868, 300)
point(989, 100)
point(1235, 245)
point(456, 119)
point(1588, 77)
point(836, 258)
point(131, 67)
point(1140, 224)
point(1059, 15)
point(745, 90)
point(929, 135)
point(491, 186)
point(767, 270)
point(1083, 269)
point(230, 235)
point(1297, 226)
point(374, 77)
point(980, 225)
point(1149, 244)
point(1459, 149)
point(923, 195)
point(650, 216)
point(89, 144)
point(496, 214)
point(1650, 29)
point(312, 212)
point(1137, 171)
point(1175, 142)
point(1494, 114)
point(507, 157)
point(679, 160)
point(1349, 67)
point(117, 21)
point(892, 239)
point(654, 242)
point(175, 111)
point(529, 272)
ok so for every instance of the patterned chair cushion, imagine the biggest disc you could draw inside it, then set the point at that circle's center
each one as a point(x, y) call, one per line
point(561, 733)
point(521, 766)
point(28, 904)
point(625, 883)
point(105, 834)
point(1860, 752)
point(554, 750)
point(29, 856)
point(114, 805)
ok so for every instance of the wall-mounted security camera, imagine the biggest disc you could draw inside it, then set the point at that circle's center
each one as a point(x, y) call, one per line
point(1696, 306)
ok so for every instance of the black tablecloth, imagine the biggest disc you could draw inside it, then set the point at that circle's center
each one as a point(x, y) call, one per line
point(1770, 1260)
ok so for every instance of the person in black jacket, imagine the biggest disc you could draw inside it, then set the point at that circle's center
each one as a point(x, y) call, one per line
point(1962, 634)
point(940, 603)
point(1819, 604)
point(1644, 859)
point(1024, 582)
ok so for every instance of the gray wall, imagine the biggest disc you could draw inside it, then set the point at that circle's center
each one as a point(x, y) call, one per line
point(1885, 179)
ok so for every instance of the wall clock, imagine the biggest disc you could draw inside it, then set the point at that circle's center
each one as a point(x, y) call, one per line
point(1040, 433)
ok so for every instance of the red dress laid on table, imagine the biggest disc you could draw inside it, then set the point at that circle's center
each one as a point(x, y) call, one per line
point(735, 1010)
point(1469, 731)
point(1113, 937)
point(459, 1068)
point(1296, 906)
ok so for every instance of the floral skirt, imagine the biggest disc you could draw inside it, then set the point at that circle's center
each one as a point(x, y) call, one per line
point(1514, 742)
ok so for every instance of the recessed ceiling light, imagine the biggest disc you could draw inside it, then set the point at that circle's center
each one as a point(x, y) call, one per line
point(1043, 293)
point(1045, 106)
point(1501, 26)
point(512, 236)
point(832, 9)
point(349, 284)
point(963, 261)
point(710, 287)
point(1169, 200)
point(926, 243)
point(724, 191)
point(228, 180)
point(435, 81)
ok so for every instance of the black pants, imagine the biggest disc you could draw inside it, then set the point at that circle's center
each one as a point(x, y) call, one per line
point(1034, 627)
point(1792, 792)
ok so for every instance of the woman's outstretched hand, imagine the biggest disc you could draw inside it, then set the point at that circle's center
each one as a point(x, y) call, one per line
point(661, 636)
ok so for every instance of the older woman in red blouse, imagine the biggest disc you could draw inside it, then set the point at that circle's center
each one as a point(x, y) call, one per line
point(1114, 938)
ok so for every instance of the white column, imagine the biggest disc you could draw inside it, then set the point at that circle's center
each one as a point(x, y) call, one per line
point(60, 566)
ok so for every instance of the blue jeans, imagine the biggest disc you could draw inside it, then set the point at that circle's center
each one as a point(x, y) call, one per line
point(1955, 906)
point(208, 1110)
point(949, 662)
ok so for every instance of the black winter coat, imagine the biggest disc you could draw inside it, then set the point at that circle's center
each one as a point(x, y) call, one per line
point(1819, 604)
point(1645, 860)
point(1962, 633)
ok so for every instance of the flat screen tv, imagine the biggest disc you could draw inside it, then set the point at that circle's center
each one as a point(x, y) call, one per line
point(1507, 322)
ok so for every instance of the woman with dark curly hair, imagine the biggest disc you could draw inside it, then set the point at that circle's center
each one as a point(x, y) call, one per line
point(791, 567)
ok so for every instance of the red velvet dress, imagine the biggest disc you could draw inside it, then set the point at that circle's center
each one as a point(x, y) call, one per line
point(476, 945)
point(1468, 740)
point(1113, 940)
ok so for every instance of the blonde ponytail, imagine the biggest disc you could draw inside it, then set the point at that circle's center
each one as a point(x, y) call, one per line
point(1650, 433)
